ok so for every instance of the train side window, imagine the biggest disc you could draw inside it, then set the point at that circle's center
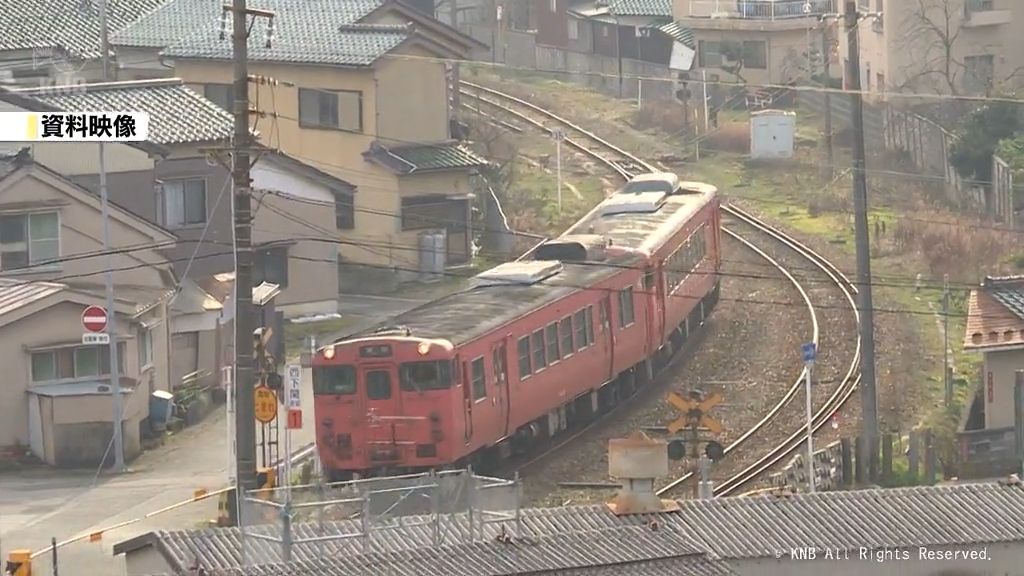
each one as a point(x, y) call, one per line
point(500, 368)
point(626, 316)
point(551, 339)
point(334, 380)
point(588, 322)
point(479, 387)
point(649, 279)
point(378, 385)
point(524, 357)
point(581, 329)
point(539, 359)
point(566, 332)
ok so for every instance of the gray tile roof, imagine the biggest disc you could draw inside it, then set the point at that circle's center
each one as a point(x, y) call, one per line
point(1009, 292)
point(177, 114)
point(679, 33)
point(15, 294)
point(70, 25)
point(577, 553)
point(659, 8)
point(728, 528)
point(305, 31)
point(425, 157)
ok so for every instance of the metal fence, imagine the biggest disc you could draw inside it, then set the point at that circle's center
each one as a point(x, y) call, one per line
point(1002, 191)
point(373, 515)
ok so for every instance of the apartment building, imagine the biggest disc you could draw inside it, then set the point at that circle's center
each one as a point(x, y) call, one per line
point(756, 42)
point(941, 46)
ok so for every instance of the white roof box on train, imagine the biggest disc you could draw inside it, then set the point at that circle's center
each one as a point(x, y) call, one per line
point(519, 272)
point(573, 248)
point(665, 182)
point(639, 202)
point(697, 188)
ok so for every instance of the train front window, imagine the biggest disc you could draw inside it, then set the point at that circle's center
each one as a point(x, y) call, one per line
point(420, 376)
point(334, 380)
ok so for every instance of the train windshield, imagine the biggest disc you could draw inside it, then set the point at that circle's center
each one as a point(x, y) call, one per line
point(334, 380)
point(420, 376)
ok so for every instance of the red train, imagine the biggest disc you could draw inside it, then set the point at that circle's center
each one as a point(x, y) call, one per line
point(532, 347)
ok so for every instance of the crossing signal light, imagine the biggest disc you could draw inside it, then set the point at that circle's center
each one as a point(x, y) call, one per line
point(676, 450)
point(714, 451)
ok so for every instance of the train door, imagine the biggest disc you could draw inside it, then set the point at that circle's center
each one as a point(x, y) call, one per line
point(467, 399)
point(382, 401)
point(654, 310)
point(499, 361)
point(607, 334)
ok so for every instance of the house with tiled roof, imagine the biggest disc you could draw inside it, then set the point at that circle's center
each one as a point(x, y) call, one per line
point(57, 42)
point(995, 329)
point(366, 91)
point(55, 397)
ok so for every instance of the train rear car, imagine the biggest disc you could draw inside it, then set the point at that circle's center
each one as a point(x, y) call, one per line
point(384, 403)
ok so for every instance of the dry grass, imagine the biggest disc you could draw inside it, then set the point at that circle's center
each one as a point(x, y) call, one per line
point(665, 116)
point(965, 251)
point(731, 137)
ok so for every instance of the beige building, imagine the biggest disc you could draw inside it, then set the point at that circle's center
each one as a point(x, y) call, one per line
point(363, 92)
point(757, 42)
point(51, 230)
point(941, 46)
point(995, 327)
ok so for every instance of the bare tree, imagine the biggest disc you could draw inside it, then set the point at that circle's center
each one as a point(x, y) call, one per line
point(932, 33)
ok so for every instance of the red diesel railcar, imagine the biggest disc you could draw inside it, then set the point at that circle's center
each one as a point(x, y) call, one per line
point(532, 347)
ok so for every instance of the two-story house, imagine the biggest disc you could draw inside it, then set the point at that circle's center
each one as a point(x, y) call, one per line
point(757, 42)
point(365, 91)
point(941, 46)
point(56, 393)
point(188, 191)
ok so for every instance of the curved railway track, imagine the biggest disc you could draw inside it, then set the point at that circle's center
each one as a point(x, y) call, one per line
point(626, 165)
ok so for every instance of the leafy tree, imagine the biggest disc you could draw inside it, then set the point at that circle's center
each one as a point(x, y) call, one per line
point(979, 135)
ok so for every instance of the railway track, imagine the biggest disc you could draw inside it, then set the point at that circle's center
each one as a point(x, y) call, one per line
point(626, 165)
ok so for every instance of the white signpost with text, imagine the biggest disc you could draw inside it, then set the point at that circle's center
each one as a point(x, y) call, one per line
point(294, 407)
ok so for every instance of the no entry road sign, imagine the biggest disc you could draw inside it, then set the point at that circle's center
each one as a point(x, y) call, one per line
point(94, 319)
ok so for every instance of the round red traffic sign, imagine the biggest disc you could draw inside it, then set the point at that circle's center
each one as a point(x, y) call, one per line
point(94, 319)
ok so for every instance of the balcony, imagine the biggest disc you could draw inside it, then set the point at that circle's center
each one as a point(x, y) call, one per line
point(761, 9)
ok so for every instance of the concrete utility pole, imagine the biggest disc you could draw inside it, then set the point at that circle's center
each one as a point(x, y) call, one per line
point(115, 376)
point(869, 406)
point(245, 419)
point(947, 377)
point(826, 61)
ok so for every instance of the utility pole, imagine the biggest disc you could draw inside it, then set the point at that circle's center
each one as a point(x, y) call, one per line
point(946, 376)
point(869, 406)
point(245, 419)
point(826, 61)
point(115, 376)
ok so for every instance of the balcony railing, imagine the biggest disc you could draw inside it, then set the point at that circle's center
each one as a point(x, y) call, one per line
point(761, 9)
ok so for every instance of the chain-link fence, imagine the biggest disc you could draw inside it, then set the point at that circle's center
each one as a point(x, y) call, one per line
point(375, 514)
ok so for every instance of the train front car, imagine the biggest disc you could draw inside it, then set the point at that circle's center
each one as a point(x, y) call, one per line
point(384, 404)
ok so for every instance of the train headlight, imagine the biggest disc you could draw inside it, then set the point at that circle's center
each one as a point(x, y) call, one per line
point(329, 352)
point(423, 348)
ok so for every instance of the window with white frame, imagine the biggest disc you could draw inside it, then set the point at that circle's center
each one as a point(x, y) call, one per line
point(184, 202)
point(29, 240)
point(145, 348)
point(74, 363)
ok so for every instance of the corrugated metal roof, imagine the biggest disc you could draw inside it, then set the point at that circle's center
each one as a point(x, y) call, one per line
point(70, 25)
point(425, 157)
point(679, 33)
point(728, 528)
point(15, 294)
point(177, 114)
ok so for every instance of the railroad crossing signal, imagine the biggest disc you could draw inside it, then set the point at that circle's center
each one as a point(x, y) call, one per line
point(265, 404)
point(695, 413)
